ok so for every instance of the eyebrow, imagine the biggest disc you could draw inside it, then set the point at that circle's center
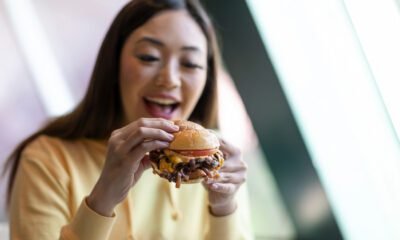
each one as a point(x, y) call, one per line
point(151, 40)
point(161, 44)
point(191, 48)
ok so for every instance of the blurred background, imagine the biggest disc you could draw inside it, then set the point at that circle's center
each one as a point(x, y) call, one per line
point(312, 84)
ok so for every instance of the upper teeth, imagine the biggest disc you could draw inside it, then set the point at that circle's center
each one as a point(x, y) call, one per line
point(164, 101)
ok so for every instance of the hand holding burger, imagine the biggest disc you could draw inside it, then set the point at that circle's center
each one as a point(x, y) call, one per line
point(196, 154)
point(233, 174)
point(192, 156)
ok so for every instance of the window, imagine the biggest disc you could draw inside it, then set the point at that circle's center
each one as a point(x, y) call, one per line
point(337, 62)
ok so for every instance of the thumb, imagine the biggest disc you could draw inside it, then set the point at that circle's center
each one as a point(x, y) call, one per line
point(143, 165)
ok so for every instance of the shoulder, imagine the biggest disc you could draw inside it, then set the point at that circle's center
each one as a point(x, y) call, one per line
point(43, 147)
point(69, 155)
point(41, 163)
point(51, 154)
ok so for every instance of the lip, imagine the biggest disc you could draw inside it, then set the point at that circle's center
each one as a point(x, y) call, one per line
point(157, 112)
point(164, 95)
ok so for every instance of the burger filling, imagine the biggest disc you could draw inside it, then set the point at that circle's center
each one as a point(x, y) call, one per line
point(178, 166)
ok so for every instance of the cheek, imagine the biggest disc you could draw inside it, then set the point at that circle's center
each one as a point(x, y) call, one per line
point(193, 90)
point(131, 72)
point(128, 81)
point(133, 79)
point(134, 76)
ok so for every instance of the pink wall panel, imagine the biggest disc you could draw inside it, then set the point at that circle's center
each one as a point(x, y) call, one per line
point(20, 109)
point(74, 30)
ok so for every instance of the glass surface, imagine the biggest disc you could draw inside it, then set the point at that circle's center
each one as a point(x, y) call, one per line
point(329, 63)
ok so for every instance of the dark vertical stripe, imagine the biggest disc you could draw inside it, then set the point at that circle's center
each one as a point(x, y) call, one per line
point(250, 66)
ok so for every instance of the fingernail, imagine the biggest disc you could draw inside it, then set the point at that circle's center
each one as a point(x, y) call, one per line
point(170, 136)
point(175, 127)
point(165, 144)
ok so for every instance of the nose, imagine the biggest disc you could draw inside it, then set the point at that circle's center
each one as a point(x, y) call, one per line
point(169, 76)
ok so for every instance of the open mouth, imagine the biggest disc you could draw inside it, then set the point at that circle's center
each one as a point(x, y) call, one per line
point(161, 107)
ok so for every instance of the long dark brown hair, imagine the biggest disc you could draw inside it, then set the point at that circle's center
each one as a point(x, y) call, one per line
point(100, 111)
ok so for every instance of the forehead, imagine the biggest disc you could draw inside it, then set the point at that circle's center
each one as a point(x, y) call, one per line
point(173, 28)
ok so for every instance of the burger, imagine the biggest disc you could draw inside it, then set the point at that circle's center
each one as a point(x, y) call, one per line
point(191, 157)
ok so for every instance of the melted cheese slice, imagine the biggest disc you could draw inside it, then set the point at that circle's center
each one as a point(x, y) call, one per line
point(166, 166)
point(176, 158)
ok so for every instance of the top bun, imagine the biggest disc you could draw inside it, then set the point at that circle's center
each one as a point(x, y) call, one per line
point(192, 136)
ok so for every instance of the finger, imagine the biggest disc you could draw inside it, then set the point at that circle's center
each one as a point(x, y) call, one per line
point(146, 134)
point(228, 149)
point(235, 178)
point(144, 164)
point(233, 166)
point(140, 150)
point(225, 188)
point(159, 123)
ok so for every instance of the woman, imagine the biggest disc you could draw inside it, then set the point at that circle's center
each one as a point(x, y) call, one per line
point(83, 175)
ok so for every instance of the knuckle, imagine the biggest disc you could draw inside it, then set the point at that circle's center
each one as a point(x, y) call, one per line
point(115, 133)
point(165, 124)
point(141, 122)
point(112, 142)
point(116, 146)
point(140, 131)
point(143, 146)
point(244, 165)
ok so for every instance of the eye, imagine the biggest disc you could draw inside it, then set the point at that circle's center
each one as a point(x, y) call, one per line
point(147, 58)
point(191, 65)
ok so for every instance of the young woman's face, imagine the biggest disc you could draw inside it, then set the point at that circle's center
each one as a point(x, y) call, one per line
point(163, 67)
